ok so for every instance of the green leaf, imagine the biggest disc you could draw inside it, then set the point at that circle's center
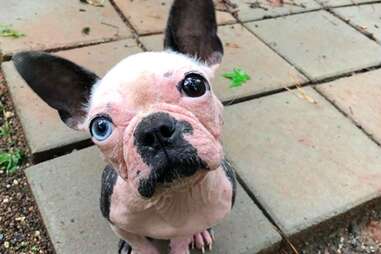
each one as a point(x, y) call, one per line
point(7, 31)
point(237, 77)
point(10, 161)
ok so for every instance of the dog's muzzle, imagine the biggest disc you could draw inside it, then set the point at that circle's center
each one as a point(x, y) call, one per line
point(159, 139)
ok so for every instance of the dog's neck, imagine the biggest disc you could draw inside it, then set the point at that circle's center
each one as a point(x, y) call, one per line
point(199, 188)
point(196, 206)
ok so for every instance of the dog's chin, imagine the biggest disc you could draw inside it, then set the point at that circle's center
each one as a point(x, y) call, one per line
point(165, 177)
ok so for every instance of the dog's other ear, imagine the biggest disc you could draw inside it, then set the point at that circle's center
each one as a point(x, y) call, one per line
point(192, 30)
point(63, 85)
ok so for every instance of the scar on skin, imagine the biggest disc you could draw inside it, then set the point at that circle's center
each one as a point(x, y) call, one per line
point(168, 74)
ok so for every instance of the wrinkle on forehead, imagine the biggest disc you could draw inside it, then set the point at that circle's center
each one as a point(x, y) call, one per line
point(143, 79)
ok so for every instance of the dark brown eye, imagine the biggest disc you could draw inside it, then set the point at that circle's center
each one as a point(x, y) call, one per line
point(193, 85)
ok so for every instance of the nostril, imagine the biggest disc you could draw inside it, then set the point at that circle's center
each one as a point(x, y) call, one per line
point(148, 139)
point(157, 131)
point(166, 131)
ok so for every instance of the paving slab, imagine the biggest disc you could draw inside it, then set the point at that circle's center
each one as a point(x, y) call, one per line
point(259, 9)
point(304, 162)
point(150, 16)
point(335, 3)
point(43, 128)
point(244, 50)
point(359, 97)
point(55, 24)
point(366, 17)
point(67, 192)
point(318, 43)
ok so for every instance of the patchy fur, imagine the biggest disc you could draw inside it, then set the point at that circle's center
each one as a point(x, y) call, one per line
point(158, 125)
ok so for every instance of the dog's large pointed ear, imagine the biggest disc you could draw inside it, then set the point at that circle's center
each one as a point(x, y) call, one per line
point(63, 85)
point(192, 30)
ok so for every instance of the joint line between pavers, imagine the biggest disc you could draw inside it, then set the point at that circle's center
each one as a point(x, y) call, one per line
point(283, 15)
point(325, 7)
point(8, 57)
point(293, 87)
point(135, 33)
point(358, 29)
point(348, 117)
point(59, 151)
point(276, 52)
point(316, 81)
point(265, 94)
point(265, 212)
point(346, 74)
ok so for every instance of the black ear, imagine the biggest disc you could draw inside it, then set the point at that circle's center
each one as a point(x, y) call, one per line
point(192, 30)
point(62, 84)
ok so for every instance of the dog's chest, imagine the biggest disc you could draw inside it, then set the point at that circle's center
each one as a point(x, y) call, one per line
point(174, 214)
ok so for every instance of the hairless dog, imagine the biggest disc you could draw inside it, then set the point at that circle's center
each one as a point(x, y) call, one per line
point(158, 124)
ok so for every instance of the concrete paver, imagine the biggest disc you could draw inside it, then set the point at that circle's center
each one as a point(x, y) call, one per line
point(54, 24)
point(244, 50)
point(304, 162)
point(365, 17)
point(359, 97)
point(318, 43)
point(67, 191)
point(42, 126)
point(254, 10)
point(150, 16)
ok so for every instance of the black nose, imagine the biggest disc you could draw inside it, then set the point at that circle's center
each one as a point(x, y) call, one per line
point(157, 130)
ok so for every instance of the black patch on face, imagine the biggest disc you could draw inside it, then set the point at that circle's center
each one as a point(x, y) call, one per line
point(159, 139)
point(230, 173)
point(109, 177)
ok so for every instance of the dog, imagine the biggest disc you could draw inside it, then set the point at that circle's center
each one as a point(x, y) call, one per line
point(156, 120)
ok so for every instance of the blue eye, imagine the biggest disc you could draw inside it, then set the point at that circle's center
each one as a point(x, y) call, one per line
point(101, 128)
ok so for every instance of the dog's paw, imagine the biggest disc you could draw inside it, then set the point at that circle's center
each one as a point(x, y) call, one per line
point(203, 240)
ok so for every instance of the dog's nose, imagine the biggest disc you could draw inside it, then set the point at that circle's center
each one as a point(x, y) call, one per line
point(156, 131)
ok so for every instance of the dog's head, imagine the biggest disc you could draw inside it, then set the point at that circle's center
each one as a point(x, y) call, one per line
point(154, 115)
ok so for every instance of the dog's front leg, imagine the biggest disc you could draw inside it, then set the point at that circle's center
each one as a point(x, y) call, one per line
point(138, 244)
point(180, 245)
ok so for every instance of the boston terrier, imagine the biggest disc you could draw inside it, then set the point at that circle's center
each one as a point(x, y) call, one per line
point(156, 120)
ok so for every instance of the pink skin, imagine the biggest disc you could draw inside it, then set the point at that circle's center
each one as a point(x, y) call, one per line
point(182, 212)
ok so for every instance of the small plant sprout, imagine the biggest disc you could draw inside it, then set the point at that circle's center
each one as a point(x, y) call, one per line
point(10, 161)
point(237, 77)
point(5, 130)
point(7, 31)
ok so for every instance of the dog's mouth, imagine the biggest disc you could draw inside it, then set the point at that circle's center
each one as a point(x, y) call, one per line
point(171, 171)
point(160, 141)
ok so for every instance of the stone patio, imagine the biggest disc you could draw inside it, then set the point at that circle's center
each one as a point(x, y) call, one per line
point(304, 155)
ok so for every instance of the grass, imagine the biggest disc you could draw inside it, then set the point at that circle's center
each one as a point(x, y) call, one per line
point(11, 161)
point(5, 130)
point(7, 31)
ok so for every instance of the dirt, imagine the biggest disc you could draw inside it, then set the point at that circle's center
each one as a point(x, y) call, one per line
point(21, 227)
point(361, 234)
